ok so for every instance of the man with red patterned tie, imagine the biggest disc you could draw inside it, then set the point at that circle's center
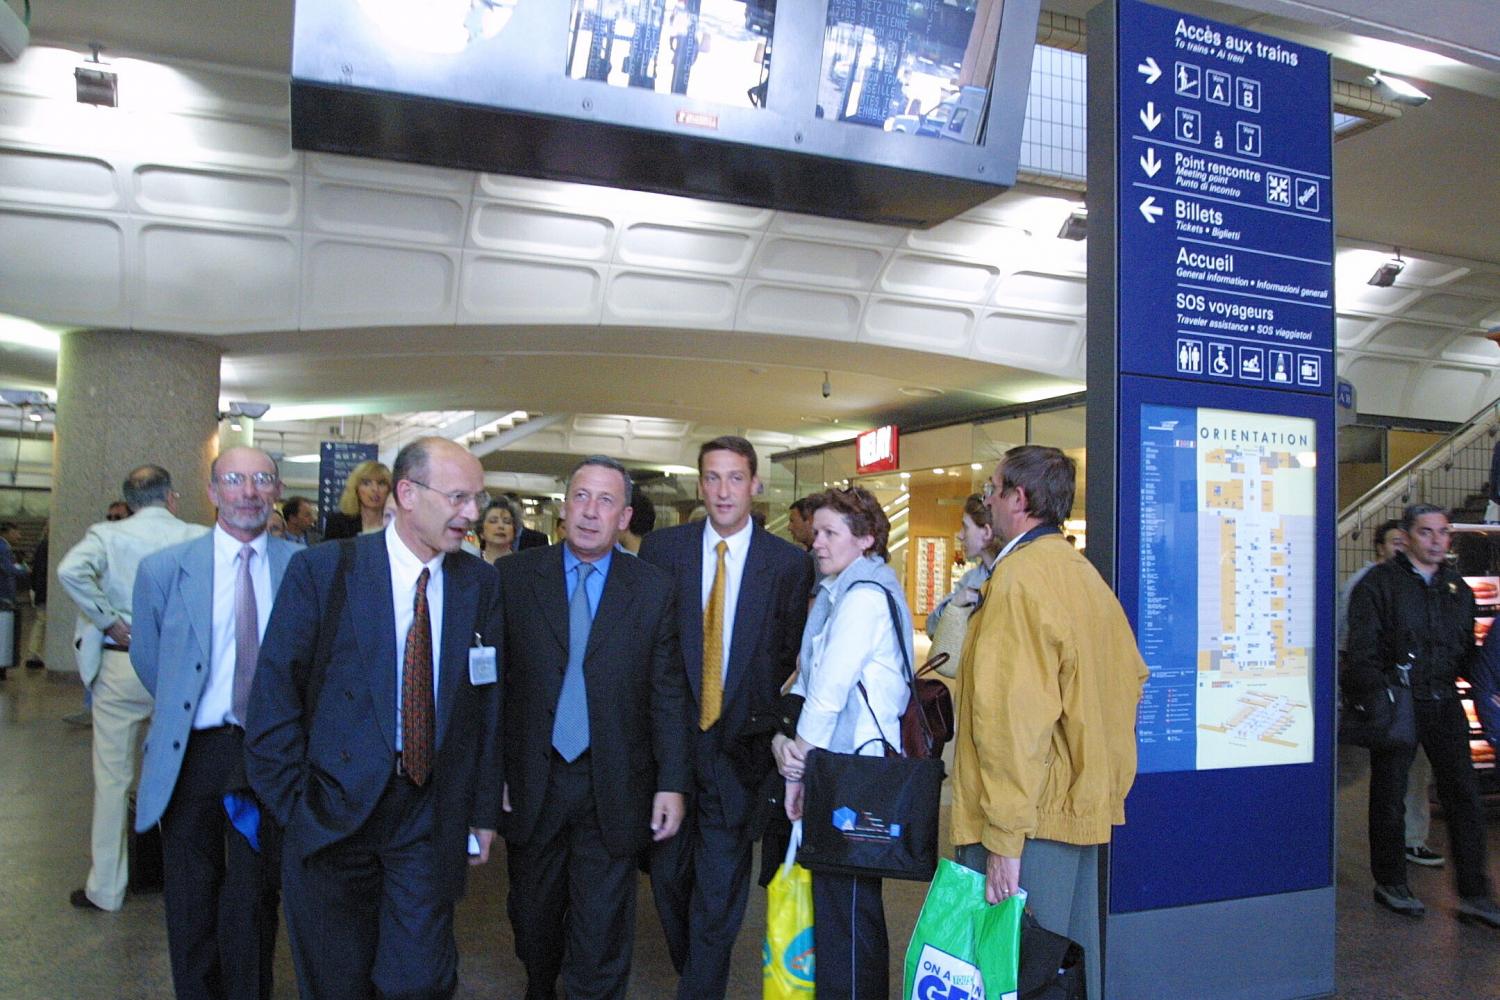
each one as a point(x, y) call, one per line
point(373, 736)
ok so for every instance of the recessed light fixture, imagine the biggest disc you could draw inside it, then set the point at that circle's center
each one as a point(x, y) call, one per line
point(920, 391)
point(976, 466)
point(906, 475)
point(937, 472)
point(1076, 226)
point(1385, 274)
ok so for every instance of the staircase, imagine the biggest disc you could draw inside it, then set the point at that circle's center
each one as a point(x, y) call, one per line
point(1453, 473)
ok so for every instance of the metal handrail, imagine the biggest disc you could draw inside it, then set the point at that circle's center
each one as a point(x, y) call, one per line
point(1382, 492)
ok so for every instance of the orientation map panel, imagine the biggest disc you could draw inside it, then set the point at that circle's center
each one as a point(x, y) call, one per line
point(1225, 204)
point(1226, 613)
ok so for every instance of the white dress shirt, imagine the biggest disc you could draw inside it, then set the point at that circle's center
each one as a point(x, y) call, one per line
point(405, 568)
point(734, 570)
point(214, 706)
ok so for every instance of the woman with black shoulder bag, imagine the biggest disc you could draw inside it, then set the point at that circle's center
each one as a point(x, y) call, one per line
point(854, 687)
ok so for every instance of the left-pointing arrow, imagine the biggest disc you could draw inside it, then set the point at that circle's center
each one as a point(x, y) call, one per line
point(1151, 210)
point(1149, 162)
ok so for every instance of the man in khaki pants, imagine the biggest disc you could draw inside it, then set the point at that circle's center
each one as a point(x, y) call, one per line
point(99, 574)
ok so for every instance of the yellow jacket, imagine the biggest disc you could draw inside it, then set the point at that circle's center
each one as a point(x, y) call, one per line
point(1047, 699)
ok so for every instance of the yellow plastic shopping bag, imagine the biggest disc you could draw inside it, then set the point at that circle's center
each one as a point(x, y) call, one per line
point(787, 955)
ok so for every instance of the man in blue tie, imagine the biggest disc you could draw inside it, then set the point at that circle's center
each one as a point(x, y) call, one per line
point(201, 609)
point(596, 754)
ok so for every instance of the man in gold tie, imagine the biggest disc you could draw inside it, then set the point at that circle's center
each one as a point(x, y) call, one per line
point(741, 603)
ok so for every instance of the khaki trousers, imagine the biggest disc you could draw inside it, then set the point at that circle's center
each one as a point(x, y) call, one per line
point(121, 708)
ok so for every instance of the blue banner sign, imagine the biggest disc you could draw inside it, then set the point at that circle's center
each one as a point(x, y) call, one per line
point(1225, 204)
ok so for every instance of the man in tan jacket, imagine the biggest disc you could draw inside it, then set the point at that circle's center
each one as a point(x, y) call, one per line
point(1045, 750)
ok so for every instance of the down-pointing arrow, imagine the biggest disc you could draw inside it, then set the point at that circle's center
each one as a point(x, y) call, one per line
point(1149, 162)
point(1149, 70)
point(1149, 117)
point(1151, 210)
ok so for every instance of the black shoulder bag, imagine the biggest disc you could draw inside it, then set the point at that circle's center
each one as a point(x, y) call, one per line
point(874, 817)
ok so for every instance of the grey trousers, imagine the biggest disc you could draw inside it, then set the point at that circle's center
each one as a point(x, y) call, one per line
point(1062, 892)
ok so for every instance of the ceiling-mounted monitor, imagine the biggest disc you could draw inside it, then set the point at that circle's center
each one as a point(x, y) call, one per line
point(896, 111)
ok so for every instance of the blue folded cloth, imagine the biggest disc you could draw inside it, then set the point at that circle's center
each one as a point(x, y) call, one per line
point(244, 816)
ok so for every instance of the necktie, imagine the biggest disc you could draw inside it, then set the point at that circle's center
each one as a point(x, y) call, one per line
point(713, 645)
point(570, 729)
point(416, 691)
point(246, 636)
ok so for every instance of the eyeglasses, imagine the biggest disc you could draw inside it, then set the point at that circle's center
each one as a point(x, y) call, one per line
point(457, 499)
point(990, 489)
point(262, 480)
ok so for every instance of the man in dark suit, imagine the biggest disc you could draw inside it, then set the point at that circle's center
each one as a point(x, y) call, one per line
point(373, 736)
point(596, 756)
point(526, 538)
point(201, 609)
point(741, 597)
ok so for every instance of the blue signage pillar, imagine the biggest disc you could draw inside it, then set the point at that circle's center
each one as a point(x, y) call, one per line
point(1211, 502)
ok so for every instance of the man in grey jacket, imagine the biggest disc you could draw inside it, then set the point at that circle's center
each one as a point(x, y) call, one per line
point(99, 575)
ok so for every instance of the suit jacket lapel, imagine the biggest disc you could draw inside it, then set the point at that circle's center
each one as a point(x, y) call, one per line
point(690, 615)
point(550, 586)
point(195, 584)
point(749, 610)
point(279, 556)
point(614, 604)
point(460, 594)
point(370, 603)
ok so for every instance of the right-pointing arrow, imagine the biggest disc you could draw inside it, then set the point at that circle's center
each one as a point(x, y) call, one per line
point(1151, 210)
point(1149, 70)
point(1149, 162)
point(1149, 117)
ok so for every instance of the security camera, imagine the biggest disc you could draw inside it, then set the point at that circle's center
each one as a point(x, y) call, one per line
point(827, 386)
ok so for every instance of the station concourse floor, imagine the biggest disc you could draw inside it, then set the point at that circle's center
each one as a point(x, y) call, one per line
point(51, 951)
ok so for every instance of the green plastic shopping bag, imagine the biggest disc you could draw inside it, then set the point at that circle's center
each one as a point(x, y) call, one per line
point(787, 955)
point(958, 935)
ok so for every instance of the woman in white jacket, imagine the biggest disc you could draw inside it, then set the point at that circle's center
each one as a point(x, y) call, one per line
point(850, 639)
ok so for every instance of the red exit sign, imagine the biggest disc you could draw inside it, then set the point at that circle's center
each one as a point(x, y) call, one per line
point(878, 450)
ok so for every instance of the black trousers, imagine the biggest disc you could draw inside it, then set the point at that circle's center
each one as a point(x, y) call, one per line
point(220, 894)
point(572, 904)
point(853, 954)
point(700, 878)
point(1443, 732)
point(361, 914)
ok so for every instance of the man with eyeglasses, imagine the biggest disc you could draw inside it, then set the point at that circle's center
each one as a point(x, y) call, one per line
point(373, 736)
point(201, 609)
point(99, 575)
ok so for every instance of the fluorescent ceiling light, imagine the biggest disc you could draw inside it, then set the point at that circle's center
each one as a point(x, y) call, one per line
point(25, 333)
point(1396, 89)
point(679, 470)
point(311, 456)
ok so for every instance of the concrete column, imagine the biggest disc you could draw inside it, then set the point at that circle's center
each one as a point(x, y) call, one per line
point(125, 399)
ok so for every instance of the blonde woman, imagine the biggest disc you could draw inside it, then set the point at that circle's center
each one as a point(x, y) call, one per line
point(362, 507)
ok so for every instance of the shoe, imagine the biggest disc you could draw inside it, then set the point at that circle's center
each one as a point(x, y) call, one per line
point(34, 664)
point(1479, 908)
point(80, 899)
point(1398, 899)
point(1421, 855)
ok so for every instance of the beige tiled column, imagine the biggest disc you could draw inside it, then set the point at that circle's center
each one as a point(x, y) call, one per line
point(125, 399)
